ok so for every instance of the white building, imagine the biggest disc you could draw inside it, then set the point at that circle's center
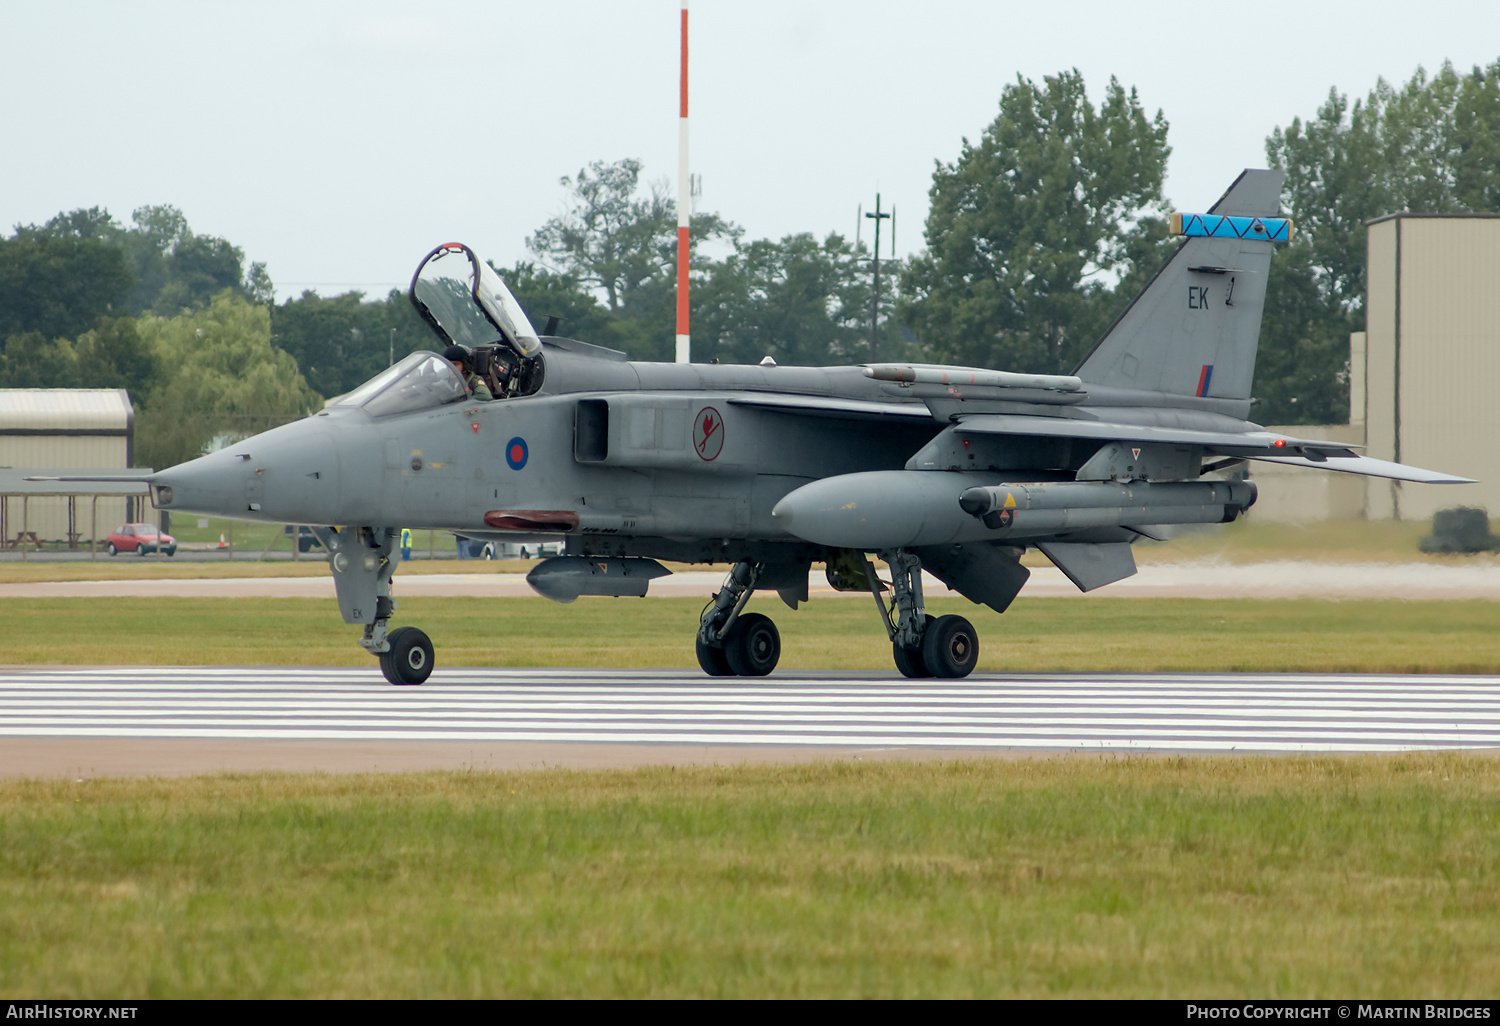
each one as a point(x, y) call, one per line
point(51, 431)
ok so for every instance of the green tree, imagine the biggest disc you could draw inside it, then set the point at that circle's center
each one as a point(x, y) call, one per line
point(176, 269)
point(341, 341)
point(798, 301)
point(1476, 130)
point(155, 230)
point(1029, 228)
point(93, 223)
point(58, 284)
point(224, 379)
point(544, 294)
point(30, 360)
point(1302, 366)
point(198, 268)
point(1430, 146)
point(112, 354)
point(623, 247)
point(258, 285)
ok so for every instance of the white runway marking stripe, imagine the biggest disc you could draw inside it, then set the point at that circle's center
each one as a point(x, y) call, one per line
point(1217, 712)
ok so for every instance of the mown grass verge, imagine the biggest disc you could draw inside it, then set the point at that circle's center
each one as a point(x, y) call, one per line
point(1076, 877)
point(1037, 635)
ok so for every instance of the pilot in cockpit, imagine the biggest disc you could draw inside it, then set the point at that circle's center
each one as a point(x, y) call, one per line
point(463, 362)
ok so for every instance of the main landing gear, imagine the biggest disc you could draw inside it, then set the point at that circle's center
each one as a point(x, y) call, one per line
point(732, 643)
point(362, 567)
point(921, 645)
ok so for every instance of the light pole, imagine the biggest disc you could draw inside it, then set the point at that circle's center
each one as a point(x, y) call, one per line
point(684, 203)
point(875, 303)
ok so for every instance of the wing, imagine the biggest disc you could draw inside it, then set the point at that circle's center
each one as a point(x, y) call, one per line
point(1219, 435)
point(1369, 467)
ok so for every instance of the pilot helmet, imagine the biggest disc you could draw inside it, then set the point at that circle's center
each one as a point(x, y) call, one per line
point(460, 355)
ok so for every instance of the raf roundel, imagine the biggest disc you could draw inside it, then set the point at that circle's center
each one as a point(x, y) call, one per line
point(516, 453)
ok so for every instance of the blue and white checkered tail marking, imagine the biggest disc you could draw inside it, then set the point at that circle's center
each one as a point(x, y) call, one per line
point(1216, 226)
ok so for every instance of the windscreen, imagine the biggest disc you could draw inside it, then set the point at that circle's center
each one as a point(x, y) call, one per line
point(421, 381)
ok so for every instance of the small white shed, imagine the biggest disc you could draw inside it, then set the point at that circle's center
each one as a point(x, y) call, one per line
point(57, 431)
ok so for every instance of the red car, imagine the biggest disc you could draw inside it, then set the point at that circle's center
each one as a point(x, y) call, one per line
point(140, 539)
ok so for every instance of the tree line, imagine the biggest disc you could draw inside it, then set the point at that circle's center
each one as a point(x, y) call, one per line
point(1039, 233)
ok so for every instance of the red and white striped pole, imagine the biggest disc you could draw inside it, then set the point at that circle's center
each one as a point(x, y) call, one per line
point(684, 204)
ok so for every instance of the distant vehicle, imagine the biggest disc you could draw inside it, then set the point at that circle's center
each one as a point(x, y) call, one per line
point(140, 539)
point(528, 550)
point(307, 537)
point(478, 548)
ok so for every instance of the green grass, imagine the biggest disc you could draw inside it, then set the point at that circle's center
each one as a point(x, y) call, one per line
point(1037, 635)
point(1070, 877)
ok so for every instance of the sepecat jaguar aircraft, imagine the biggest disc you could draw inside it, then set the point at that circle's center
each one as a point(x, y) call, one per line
point(954, 471)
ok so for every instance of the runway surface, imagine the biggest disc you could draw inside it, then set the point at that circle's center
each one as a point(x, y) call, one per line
point(655, 716)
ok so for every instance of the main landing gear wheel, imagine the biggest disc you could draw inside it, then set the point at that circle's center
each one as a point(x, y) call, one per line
point(753, 646)
point(950, 647)
point(713, 660)
point(909, 660)
point(732, 643)
point(410, 658)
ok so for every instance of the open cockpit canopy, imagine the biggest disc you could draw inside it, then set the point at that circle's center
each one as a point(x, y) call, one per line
point(464, 301)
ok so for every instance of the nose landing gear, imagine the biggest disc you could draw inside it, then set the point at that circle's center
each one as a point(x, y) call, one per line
point(362, 567)
point(410, 657)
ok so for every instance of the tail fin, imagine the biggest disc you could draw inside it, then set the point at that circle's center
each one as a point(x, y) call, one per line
point(1194, 329)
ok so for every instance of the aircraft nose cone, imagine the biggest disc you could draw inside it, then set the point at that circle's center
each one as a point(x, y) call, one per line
point(213, 484)
point(287, 475)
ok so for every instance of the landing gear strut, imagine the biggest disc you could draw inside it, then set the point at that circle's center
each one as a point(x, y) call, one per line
point(361, 561)
point(731, 643)
point(921, 645)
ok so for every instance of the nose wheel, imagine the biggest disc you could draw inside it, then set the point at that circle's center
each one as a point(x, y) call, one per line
point(410, 657)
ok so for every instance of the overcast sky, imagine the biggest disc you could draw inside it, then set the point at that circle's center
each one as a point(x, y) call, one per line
point(339, 141)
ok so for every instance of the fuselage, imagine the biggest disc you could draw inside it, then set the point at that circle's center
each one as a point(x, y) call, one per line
point(633, 458)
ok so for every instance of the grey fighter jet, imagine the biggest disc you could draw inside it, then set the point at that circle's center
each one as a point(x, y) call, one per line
point(951, 470)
